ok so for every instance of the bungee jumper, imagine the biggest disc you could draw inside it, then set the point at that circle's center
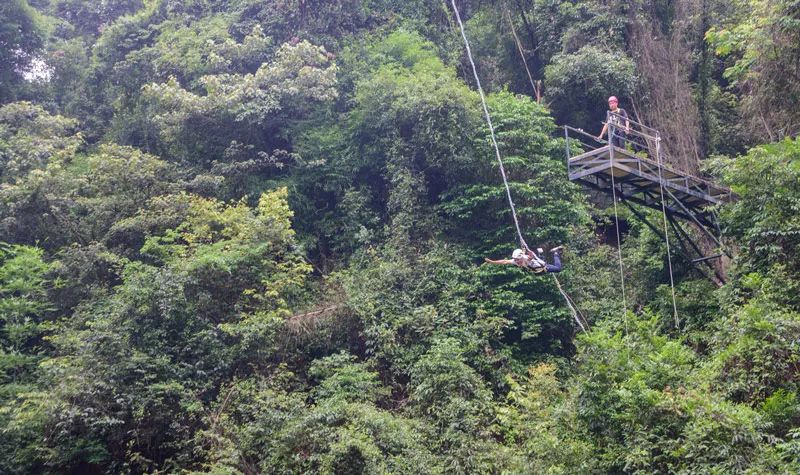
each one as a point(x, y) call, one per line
point(556, 266)
point(530, 260)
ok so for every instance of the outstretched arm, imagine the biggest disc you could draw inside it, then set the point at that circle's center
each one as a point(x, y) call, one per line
point(605, 127)
point(498, 261)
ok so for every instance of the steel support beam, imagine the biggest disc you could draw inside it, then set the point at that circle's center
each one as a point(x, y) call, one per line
point(638, 180)
point(696, 221)
point(680, 232)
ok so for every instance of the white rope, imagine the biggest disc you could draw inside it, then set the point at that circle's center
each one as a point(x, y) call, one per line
point(567, 298)
point(611, 130)
point(491, 127)
point(666, 232)
point(522, 55)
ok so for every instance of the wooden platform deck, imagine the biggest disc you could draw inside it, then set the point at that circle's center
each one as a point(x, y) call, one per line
point(637, 180)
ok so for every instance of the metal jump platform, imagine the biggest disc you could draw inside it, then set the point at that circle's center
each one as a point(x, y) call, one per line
point(639, 174)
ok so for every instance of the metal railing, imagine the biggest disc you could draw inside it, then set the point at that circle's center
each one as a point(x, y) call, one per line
point(644, 142)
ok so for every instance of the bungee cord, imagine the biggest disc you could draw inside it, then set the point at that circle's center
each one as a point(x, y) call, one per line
point(488, 117)
point(611, 131)
point(666, 232)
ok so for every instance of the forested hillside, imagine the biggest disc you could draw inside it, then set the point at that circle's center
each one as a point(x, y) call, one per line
point(248, 236)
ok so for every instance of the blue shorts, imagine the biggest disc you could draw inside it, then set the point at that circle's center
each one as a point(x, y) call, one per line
point(556, 265)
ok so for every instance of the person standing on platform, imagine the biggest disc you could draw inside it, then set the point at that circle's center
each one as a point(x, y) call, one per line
point(619, 119)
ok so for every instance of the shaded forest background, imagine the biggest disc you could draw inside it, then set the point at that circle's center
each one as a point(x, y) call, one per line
point(248, 236)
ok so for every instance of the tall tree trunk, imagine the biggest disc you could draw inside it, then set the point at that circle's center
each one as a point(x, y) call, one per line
point(664, 63)
point(703, 79)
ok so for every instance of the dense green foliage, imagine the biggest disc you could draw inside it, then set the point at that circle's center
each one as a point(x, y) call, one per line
point(21, 38)
point(248, 237)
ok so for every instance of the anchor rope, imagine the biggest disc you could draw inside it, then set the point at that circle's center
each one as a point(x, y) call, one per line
point(666, 232)
point(611, 131)
point(570, 303)
point(536, 90)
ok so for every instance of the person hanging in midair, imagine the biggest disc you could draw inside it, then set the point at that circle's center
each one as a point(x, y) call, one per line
point(531, 261)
